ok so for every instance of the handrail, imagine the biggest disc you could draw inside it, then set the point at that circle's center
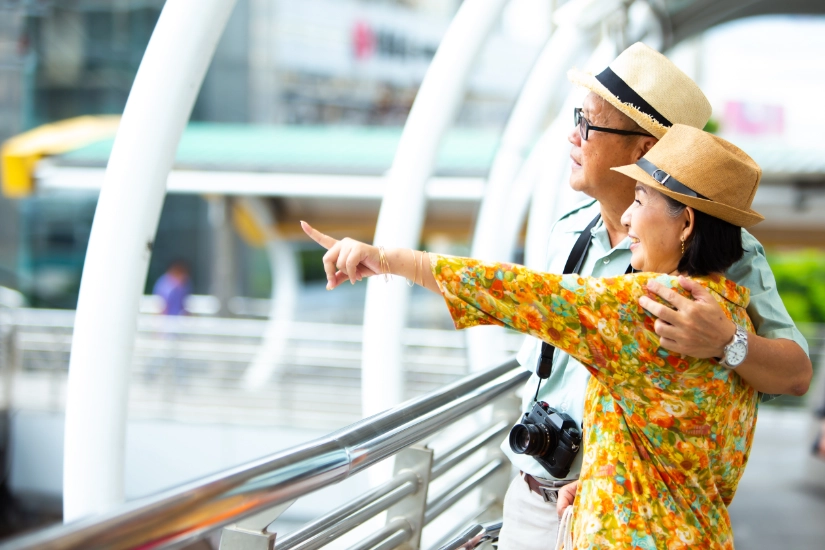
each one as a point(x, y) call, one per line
point(473, 536)
point(351, 514)
point(191, 511)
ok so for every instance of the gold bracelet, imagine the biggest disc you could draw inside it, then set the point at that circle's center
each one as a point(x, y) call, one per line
point(388, 276)
point(422, 266)
point(415, 275)
point(384, 265)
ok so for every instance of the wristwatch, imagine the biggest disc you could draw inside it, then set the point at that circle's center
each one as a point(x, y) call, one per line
point(736, 351)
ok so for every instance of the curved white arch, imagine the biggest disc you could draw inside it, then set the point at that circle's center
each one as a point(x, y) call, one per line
point(120, 246)
point(504, 204)
point(402, 210)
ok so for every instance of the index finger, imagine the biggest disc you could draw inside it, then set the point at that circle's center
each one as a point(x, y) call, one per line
point(661, 311)
point(697, 290)
point(671, 296)
point(324, 240)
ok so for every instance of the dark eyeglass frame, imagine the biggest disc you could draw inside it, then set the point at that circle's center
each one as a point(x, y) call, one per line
point(585, 127)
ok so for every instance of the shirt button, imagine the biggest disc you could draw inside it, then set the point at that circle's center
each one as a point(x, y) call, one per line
point(606, 261)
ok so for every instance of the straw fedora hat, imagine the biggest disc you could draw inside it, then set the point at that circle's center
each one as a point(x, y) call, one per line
point(702, 171)
point(646, 86)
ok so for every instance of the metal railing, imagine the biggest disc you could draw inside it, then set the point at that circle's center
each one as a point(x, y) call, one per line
point(247, 499)
point(473, 536)
point(9, 356)
point(192, 368)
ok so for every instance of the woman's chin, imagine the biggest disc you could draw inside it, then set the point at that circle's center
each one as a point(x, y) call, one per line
point(636, 263)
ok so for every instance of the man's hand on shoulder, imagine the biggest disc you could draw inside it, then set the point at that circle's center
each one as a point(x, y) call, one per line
point(697, 327)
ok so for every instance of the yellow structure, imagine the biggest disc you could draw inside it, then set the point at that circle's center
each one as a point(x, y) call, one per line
point(20, 154)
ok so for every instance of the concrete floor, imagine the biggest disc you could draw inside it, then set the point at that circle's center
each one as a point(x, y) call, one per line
point(780, 503)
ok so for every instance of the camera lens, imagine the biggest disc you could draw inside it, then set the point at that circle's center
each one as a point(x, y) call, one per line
point(530, 439)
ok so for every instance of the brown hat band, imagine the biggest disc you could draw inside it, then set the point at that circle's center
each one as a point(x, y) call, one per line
point(666, 179)
point(626, 94)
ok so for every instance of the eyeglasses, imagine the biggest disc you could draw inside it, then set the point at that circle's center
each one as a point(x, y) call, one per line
point(585, 127)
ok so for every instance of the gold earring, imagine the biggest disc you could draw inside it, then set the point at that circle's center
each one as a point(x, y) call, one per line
point(683, 246)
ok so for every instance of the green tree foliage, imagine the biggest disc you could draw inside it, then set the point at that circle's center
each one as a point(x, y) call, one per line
point(800, 279)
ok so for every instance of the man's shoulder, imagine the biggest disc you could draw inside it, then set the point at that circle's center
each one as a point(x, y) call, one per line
point(577, 218)
point(751, 244)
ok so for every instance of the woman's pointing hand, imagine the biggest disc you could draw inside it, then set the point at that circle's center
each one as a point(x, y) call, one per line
point(345, 259)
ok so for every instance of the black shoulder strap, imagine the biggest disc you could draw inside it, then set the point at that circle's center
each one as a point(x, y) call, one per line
point(573, 265)
point(579, 251)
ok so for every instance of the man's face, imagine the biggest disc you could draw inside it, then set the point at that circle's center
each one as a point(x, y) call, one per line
point(593, 159)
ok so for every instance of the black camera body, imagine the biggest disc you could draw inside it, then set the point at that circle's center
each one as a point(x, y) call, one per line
point(551, 437)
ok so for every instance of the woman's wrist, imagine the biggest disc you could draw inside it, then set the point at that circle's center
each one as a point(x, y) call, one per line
point(413, 265)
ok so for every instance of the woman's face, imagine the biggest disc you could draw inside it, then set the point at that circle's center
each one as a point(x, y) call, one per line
point(656, 236)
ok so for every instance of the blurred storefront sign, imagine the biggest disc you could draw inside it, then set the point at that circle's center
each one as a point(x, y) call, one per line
point(754, 119)
point(381, 42)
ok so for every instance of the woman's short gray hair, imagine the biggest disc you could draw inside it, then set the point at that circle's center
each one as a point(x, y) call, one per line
point(673, 207)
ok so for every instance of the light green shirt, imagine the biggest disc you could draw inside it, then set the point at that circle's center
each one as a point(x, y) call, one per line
point(565, 389)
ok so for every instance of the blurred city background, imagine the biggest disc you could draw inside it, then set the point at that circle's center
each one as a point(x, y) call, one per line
point(301, 112)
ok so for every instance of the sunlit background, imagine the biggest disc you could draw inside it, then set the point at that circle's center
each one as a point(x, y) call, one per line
point(301, 112)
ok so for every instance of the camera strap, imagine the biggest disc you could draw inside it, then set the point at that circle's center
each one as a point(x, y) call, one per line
point(574, 264)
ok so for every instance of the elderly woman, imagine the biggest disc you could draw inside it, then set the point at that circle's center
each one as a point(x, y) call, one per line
point(666, 437)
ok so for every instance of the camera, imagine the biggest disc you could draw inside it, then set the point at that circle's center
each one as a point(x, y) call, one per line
point(551, 437)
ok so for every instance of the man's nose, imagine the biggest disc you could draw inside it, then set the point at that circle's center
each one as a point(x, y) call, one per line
point(574, 137)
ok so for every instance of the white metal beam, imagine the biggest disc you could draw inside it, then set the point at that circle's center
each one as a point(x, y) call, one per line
point(267, 184)
point(402, 210)
point(506, 197)
point(120, 246)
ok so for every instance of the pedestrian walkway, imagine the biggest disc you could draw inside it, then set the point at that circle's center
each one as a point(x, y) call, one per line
point(780, 503)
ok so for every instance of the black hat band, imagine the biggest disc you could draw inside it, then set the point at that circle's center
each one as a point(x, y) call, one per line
point(667, 180)
point(626, 94)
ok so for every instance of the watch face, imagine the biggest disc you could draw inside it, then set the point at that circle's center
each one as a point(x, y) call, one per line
point(736, 353)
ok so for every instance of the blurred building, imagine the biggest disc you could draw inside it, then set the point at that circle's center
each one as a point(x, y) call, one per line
point(279, 61)
point(293, 62)
point(11, 122)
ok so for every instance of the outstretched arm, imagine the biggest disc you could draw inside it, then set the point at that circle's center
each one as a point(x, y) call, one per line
point(578, 315)
point(699, 328)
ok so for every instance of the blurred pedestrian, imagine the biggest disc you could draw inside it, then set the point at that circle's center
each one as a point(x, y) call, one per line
point(173, 287)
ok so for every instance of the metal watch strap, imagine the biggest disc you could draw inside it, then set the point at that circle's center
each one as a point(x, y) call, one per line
point(741, 335)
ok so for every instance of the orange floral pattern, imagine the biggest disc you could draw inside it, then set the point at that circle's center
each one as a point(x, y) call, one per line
point(666, 437)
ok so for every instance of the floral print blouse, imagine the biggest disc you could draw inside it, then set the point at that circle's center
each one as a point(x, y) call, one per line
point(665, 437)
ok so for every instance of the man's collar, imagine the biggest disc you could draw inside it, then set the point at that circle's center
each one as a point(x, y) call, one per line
point(600, 233)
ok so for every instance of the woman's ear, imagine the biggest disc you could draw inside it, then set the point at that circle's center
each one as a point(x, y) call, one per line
point(689, 220)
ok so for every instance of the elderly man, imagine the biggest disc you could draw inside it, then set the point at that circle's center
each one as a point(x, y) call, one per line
point(631, 104)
